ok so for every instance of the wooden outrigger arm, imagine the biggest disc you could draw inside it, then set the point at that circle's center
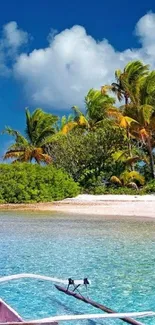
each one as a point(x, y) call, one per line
point(78, 296)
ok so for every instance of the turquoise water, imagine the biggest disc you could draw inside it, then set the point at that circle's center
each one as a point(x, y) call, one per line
point(117, 255)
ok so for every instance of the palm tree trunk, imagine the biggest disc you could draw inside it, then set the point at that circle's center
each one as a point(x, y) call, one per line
point(128, 136)
point(126, 99)
point(152, 168)
point(130, 148)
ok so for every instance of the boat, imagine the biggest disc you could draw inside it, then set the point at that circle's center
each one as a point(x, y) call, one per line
point(8, 314)
point(10, 317)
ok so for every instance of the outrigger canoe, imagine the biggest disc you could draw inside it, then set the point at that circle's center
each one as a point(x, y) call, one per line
point(8, 314)
point(11, 317)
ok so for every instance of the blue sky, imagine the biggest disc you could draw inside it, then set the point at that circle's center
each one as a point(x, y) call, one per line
point(52, 52)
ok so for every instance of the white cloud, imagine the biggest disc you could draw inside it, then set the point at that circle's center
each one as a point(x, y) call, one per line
point(13, 37)
point(11, 41)
point(60, 75)
point(145, 29)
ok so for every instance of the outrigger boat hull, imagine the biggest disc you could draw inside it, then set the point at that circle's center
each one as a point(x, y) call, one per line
point(9, 315)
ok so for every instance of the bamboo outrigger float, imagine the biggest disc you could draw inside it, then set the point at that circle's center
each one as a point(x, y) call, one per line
point(10, 317)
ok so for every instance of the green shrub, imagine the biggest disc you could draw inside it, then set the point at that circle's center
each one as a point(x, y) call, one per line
point(150, 187)
point(124, 190)
point(115, 190)
point(98, 190)
point(34, 183)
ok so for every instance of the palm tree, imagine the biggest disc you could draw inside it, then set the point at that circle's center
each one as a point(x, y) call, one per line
point(127, 85)
point(96, 107)
point(124, 121)
point(80, 118)
point(38, 133)
point(65, 124)
point(147, 90)
point(143, 112)
point(139, 118)
point(97, 104)
point(139, 123)
point(144, 129)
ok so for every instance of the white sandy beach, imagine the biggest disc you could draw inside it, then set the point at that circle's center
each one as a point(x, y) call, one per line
point(102, 205)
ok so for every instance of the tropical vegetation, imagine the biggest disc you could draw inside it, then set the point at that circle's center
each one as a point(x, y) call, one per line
point(106, 146)
point(39, 129)
point(34, 183)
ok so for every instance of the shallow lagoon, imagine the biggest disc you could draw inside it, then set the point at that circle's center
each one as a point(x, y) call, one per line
point(118, 255)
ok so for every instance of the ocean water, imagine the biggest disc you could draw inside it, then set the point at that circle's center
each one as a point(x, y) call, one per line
point(117, 255)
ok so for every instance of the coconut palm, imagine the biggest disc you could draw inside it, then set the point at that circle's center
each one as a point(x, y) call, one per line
point(127, 85)
point(139, 123)
point(39, 130)
point(80, 118)
point(121, 120)
point(96, 106)
point(147, 90)
point(138, 115)
point(144, 115)
point(144, 129)
point(65, 124)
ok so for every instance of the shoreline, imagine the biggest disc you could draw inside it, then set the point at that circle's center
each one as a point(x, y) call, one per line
point(101, 205)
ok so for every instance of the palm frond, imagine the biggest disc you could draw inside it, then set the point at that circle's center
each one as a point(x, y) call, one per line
point(19, 138)
point(105, 89)
point(37, 123)
point(118, 74)
point(39, 155)
point(76, 111)
point(133, 176)
point(68, 127)
point(13, 154)
point(115, 180)
point(120, 155)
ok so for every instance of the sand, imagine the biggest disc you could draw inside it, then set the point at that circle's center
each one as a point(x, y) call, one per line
point(101, 205)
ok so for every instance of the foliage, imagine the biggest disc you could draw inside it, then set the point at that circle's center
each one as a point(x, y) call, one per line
point(86, 155)
point(132, 176)
point(101, 189)
point(144, 128)
point(65, 124)
point(39, 130)
point(137, 86)
point(128, 82)
point(150, 187)
point(124, 190)
point(97, 105)
point(128, 179)
point(147, 89)
point(115, 180)
point(33, 183)
point(105, 149)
